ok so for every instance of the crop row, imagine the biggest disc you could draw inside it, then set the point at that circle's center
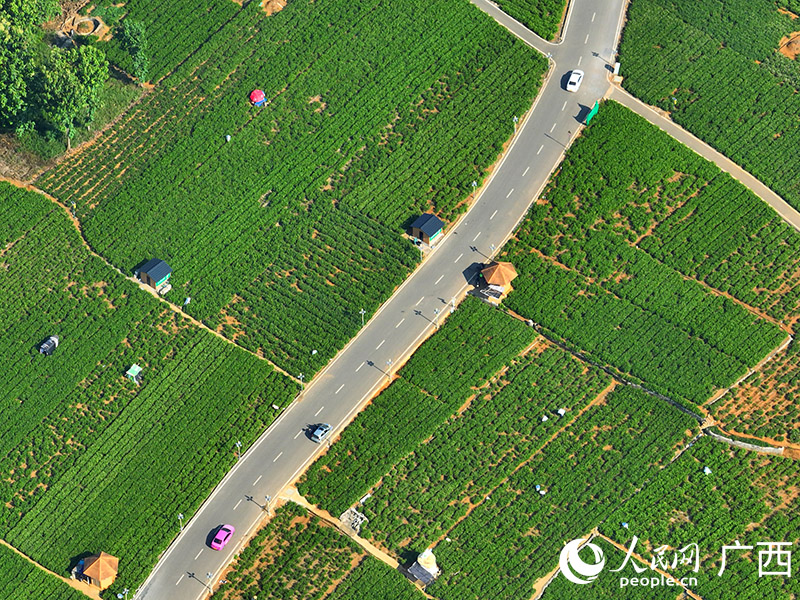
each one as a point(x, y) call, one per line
point(543, 17)
point(472, 345)
point(746, 496)
point(605, 276)
point(422, 497)
point(373, 578)
point(295, 557)
point(21, 580)
point(718, 80)
point(766, 403)
point(89, 459)
point(300, 213)
point(514, 536)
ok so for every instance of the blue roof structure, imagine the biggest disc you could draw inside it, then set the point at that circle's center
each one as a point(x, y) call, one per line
point(429, 224)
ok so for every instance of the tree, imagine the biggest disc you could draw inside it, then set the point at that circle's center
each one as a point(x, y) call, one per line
point(134, 39)
point(70, 87)
point(16, 70)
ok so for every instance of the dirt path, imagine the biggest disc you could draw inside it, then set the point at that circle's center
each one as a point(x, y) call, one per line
point(91, 592)
point(176, 309)
point(292, 495)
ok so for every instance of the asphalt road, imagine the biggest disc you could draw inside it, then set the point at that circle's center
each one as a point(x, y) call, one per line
point(397, 329)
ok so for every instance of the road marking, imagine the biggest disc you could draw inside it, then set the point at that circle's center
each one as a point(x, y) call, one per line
point(540, 148)
point(180, 578)
point(580, 58)
point(565, 106)
point(384, 341)
point(586, 41)
point(526, 171)
point(240, 501)
point(319, 411)
point(553, 127)
point(298, 434)
point(509, 193)
point(198, 555)
point(420, 300)
point(359, 366)
point(400, 323)
point(459, 257)
point(259, 479)
point(593, 16)
point(438, 280)
point(277, 457)
point(340, 389)
point(493, 214)
point(476, 237)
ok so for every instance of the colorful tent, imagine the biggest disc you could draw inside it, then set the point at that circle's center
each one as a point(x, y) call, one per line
point(257, 97)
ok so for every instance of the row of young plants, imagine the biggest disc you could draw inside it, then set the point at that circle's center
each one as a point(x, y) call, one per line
point(22, 580)
point(314, 163)
point(746, 496)
point(766, 403)
point(585, 472)
point(89, 459)
point(423, 495)
point(543, 17)
point(439, 378)
point(602, 277)
point(740, 97)
point(295, 557)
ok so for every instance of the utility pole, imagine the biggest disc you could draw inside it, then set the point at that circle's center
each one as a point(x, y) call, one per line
point(363, 312)
point(239, 450)
point(436, 317)
point(389, 369)
point(180, 520)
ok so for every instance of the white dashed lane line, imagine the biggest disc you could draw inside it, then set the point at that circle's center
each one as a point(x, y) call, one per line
point(257, 480)
point(198, 555)
point(553, 127)
point(277, 457)
point(420, 300)
point(526, 171)
point(586, 41)
point(359, 367)
point(511, 191)
point(565, 106)
point(476, 237)
point(297, 435)
point(340, 389)
point(438, 280)
point(319, 411)
point(239, 502)
point(382, 343)
point(593, 16)
point(400, 323)
point(180, 578)
point(459, 257)
point(580, 58)
point(493, 214)
point(540, 149)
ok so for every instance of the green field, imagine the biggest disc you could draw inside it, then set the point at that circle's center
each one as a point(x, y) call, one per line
point(747, 496)
point(543, 17)
point(299, 217)
point(78, 437)
point(716, 68)
point(649, 259)
point(20, 580)
point(373, 578)
point(515, 535)
point(295, 557)
point(474, 343)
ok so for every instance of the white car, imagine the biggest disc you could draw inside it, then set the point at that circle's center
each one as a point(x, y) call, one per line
point(575, 79)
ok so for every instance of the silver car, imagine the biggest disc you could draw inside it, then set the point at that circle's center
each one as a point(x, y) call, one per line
point(575, 79)
point(321, 432)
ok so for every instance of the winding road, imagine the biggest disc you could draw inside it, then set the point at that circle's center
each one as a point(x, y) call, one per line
point(189, 568)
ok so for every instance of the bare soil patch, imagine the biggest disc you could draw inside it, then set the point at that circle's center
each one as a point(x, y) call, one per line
point(790, 45)
point(273, 6)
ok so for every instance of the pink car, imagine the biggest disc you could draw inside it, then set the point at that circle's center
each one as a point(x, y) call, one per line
point(224, 535)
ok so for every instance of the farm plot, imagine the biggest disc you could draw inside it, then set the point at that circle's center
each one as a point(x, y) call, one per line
point(298, 217)
point(20, 580)
point(373, 577)
point(634, 260)
point(515, 535)
point(543, 17)
point(295, 557)
point(717, 69)
point(766, 404)
point(747, 496)
point(89, 459)
point(474, 343)
point(427, 492)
